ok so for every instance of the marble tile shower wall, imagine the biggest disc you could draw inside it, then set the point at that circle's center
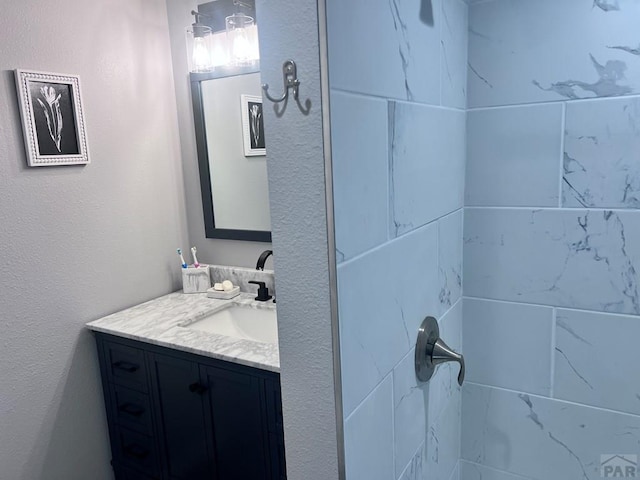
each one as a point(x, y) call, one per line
point(398, 96)
point(551, 239)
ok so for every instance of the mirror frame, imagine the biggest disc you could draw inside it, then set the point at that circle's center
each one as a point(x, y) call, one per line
point(211, 231)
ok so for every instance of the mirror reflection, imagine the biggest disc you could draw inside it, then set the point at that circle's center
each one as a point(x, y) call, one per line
point(238, 174)
point(229, 128)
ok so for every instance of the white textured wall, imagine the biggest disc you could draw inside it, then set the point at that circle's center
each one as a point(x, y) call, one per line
point(298, 214)
point(217, 251)
point(81, 242)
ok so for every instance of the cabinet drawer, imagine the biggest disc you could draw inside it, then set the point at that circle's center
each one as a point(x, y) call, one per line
point(137, 451)
point(124, 473)
point(125, 366)
point(131, 409)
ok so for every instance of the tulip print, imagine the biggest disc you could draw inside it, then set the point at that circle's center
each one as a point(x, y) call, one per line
point(256, 117)
point(52, 113)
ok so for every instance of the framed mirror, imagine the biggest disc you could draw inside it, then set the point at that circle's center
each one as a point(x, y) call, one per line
point(227, 108)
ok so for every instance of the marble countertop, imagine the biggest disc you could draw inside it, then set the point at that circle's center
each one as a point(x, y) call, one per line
point(158, 322)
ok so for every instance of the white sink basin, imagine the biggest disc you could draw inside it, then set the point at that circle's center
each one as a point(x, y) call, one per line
point(238, 321)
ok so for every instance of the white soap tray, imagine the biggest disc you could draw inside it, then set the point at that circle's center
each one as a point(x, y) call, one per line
point(222, 295)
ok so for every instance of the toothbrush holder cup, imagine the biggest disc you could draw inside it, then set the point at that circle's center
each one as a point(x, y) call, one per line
point(196, 280)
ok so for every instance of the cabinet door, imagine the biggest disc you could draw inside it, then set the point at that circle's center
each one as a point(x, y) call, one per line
point(235, 413)
point(178, 396)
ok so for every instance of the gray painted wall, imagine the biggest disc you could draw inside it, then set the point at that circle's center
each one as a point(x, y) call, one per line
point(81, 242)
point(220, 252)
point(298, 215)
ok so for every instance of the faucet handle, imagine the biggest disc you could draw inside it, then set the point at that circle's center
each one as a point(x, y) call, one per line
point(441, 353)
point(431, 351)
point(263, 291)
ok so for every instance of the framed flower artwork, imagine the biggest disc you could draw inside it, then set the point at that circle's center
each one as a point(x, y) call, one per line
point(52, 118)
point(253, 126)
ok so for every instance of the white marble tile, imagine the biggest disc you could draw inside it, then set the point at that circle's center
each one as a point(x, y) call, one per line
point(443, 386)
point(443, 442)
point(416, 469)
point(241, 276)
point(427, 164)
point(539, 437)
point(360, 172)
point(385, 48)
point(453, 63)
point(571, 49)
point(597, 359)
point(514, 156)
point(455, 475)
point(158, 322)
point(568, 258)
point(602, 154)
point(508, 345)
point(368, 436)
point(384, 296)
point(450, 258)
point(474, 471)
point(420, 409)
point(411, 403)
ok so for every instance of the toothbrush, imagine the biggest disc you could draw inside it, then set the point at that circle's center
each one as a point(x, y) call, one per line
point(195, 259)
point(184, 264)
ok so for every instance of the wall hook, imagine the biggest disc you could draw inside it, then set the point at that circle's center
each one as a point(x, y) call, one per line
point(290, 78)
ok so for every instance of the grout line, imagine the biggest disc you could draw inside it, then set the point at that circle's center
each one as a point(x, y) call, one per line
point(562, 140)
point(453, 470)
point(552, 380)
point(396, 100)
point(552, 209)
point(555, 400)
point(542, 305)
point(369, 395)
point(393, 240)
point(393, 421)
point(415, 454)
point(552, 102)
point(516, 476)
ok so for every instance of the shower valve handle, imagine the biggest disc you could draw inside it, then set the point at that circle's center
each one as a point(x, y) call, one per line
point(431, 351)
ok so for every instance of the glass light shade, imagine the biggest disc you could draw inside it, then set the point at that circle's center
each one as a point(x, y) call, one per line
point(219, 49)
point(199, 48)
point(242, 39)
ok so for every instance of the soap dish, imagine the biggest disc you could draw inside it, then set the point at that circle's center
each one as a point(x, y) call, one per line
point(222, 295)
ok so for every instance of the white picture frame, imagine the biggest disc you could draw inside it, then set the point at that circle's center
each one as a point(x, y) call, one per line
point(252, 126)
point(52, 118)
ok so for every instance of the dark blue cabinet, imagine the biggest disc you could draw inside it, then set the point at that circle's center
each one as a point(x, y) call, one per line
point(178, 416)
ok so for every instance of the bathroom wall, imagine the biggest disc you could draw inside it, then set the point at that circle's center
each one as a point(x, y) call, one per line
point(297, 193)
point(398, 96)
point(552, 239)
point(215, 251)
point(85, 241)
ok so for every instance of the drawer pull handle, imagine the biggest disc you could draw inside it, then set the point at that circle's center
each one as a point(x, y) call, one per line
point(197, 388)
point(136, 451)
point(131, 409)
point(126, 366)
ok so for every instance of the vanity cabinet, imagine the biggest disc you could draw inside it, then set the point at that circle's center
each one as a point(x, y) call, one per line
point(178, 416)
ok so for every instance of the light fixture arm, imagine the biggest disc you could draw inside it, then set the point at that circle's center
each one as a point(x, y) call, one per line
point(239, 3)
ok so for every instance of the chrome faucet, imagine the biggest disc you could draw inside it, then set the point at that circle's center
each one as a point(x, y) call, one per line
point(263, 258)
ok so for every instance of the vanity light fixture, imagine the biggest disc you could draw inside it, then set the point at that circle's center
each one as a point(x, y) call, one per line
point(242, 37)
point(199, 45)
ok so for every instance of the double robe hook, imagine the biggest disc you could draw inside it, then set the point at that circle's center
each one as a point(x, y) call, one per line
point(290, 78)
